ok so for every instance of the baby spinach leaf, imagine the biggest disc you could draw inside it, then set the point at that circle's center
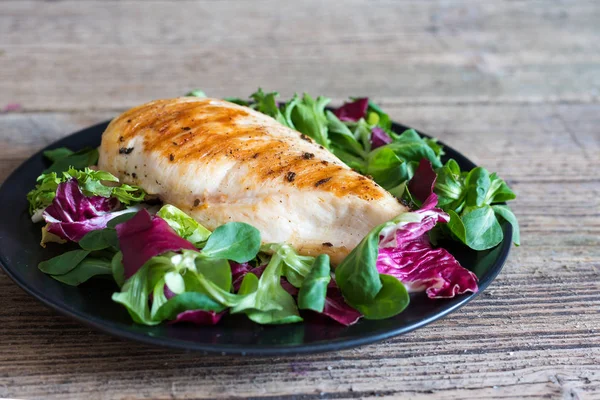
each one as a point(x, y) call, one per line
point(85, 270)
point(507, 214)
point(63, 263)
point(235, 241)
point(314, 288)
point(391, 300)
point(482, 228)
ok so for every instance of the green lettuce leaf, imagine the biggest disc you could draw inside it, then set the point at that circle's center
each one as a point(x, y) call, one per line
point(185, 226)
point(91, 183)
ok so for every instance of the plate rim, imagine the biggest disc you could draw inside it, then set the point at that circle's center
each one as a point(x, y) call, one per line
point(110, 328)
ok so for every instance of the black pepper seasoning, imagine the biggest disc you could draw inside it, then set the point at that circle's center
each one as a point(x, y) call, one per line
point(308, 156)
point(290, 176)
point(124, 150)
point(171, 157)
point(322, 181)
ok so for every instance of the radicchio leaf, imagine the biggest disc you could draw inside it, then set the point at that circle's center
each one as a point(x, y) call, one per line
point(145, 236)
point(72, 214)
point(353, 111)
point(379, 137)
point(406, 253)
point(238, 271)
point(199, 317)
point(337, 309)
point(422, 183)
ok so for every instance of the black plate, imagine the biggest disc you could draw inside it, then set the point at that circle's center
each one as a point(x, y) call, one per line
point(91, 303)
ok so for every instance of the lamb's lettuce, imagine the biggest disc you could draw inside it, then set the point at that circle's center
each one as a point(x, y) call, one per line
point(313, 290)
point(471, 198)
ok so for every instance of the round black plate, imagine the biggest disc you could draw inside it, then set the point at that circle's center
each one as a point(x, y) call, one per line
point(91, 302)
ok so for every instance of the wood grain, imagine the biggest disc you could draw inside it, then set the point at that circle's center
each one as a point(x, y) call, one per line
point(54, 55)
point(535, 331)
point(512, 84)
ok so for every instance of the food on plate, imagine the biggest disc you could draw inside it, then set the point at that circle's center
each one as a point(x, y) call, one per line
point(200, 207)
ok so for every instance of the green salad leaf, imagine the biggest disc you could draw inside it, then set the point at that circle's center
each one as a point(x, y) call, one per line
point(185, 226)
point(313, 291)
point(470, 198)
point(63, 159)
point(100, 239)
point(266, 302)
point(90, 182)
point(86, 269)
point(63, 263)
point(235, 241)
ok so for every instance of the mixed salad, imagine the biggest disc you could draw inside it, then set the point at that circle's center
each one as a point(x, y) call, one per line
point(168, 267)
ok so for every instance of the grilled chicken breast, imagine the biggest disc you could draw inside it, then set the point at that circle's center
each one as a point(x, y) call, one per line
point(221, 162)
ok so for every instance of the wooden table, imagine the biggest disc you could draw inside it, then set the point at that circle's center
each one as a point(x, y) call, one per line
point(513, 84)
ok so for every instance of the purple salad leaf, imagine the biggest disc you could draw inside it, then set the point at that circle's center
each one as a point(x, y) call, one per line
point(199, 317)
point(406, 253)
point(422, 183)
point(353, 111)
point(379, 137)
point(145, 236)
point(337, 309)
point(72, 214)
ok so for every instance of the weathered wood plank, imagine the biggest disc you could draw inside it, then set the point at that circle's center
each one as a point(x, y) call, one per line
point(534, 332)
point(514, 85)
point(422, 52)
